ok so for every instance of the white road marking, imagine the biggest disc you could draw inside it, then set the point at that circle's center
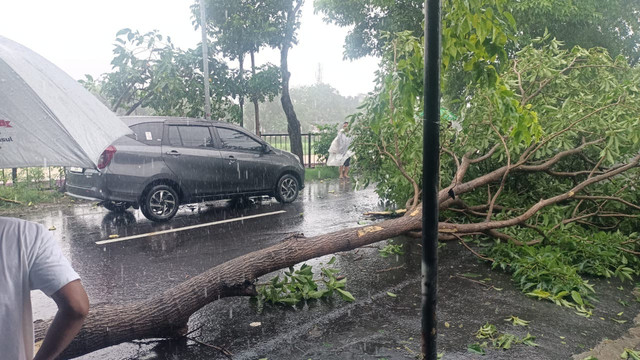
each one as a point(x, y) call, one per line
point(241, 218)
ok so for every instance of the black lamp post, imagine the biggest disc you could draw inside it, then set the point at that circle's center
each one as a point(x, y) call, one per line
point(430, 169)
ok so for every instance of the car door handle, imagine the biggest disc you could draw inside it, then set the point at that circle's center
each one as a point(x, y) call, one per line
point(173, 153)
point(232, 160)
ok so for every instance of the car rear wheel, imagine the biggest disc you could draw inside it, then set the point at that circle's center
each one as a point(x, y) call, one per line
point(160, 203)
point(116, 206)
point(287, 188)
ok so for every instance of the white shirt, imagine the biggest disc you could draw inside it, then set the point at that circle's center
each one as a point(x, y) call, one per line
point(30, 259)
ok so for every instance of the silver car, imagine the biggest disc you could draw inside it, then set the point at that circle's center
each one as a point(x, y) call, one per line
point(172, 161)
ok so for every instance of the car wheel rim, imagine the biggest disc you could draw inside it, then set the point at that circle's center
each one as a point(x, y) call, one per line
point(288, 189)
point(162, 203)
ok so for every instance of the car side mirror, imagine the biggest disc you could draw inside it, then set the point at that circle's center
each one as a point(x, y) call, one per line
point(265, 148)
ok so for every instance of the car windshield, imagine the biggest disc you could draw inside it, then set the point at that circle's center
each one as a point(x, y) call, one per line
point(320, 179)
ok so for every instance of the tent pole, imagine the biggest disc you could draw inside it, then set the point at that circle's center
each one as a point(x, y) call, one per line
point(430, 169)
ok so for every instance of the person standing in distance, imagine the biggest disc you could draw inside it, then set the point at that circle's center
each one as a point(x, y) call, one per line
point(339, 153)
point(30, 259)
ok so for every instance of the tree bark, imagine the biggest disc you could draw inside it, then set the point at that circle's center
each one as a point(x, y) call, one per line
point(166, 315)
point(293, 125)
point(124, 95)
point(138, 103)
point(256, 108)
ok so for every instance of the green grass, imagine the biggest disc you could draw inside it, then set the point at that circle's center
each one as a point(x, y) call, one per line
point(321, 173)
point(26, 195)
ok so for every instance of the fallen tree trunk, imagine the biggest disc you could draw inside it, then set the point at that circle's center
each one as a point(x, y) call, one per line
point(167, 314)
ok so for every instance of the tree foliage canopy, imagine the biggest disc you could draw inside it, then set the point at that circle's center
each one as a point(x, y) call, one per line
point(150, 72)
point(545, 149)
point(152, 76)
point(240, 27)
point(614, 24)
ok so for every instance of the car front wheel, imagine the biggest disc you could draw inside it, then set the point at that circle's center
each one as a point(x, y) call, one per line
point(287, 188)
point(160, 203)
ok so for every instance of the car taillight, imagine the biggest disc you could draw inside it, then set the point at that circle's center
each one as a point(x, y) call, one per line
point(105, 158)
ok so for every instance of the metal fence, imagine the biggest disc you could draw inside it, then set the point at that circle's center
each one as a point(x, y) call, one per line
point(283, 142)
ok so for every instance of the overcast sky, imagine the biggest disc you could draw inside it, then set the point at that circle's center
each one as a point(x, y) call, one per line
point(78, 36)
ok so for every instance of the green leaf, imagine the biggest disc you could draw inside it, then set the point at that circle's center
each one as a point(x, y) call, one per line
point(316, 294)
point(392, 294)
point(345, 295)
point(577, 298)
point(540, 294)
point(476, 349)
point(510, 18)
point(487, 331)
point(529, 340)
point(517, 321)
point(289, 301)
point(123, 31)
point(630, 354)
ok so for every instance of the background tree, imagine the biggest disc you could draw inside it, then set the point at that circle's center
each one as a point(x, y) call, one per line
point(369, 20)
point(289, 12)
point(614, 24)
point(150, 72)
point(264, 85)
point(241, 28)
point(318, 104)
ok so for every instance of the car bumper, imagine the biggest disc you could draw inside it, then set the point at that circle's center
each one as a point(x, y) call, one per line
point(92, 185)
point(82, 197)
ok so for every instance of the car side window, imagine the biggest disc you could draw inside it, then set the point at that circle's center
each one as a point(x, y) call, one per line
point(174, 136)
point(148, 133)
point(194, 136)
point(235, 140)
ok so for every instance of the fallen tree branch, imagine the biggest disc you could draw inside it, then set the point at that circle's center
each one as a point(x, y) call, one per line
point(10, 201)
point(390, 269)
point(485, 226)
point(492, 201)
point(472, 251)
point(221, 349)
point(386, 213)
point(488, 286)
point(612, 198)
point(166, 315)
point(496, 175)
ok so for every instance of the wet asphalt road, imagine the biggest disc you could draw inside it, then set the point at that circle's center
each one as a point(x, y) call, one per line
point(375, 326)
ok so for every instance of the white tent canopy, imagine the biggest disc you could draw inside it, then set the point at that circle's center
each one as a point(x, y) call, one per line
point(46, 117)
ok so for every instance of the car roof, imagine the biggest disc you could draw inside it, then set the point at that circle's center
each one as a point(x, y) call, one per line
point(175, 120)
point(134, 120)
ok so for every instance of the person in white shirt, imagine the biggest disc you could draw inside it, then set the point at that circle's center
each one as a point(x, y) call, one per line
point(30, 259)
